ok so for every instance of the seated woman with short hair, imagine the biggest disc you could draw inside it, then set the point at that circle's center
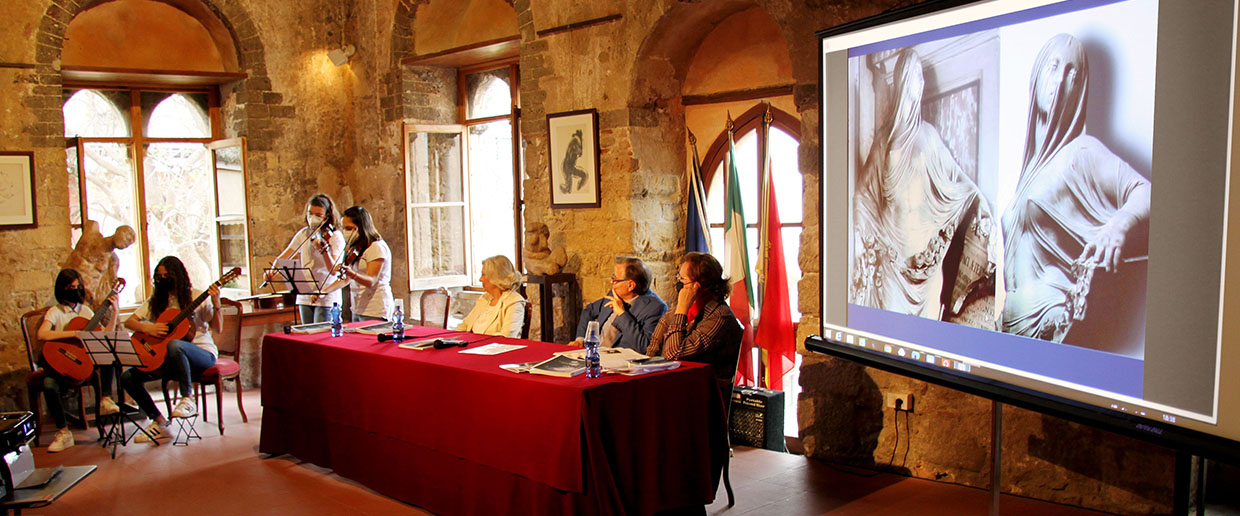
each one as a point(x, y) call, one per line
point(501, 310)
point(702, 328)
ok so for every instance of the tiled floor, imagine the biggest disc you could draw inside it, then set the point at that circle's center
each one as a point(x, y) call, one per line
point(226, 475)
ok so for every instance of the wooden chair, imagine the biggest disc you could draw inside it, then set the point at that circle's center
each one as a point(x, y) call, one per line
point(725, 389)
point(525, 326)
point(30, 322)
point(227, 366)
point(435, 308)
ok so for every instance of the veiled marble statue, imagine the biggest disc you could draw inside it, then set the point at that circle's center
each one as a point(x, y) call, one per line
point(911, 200)
point(1075, 202)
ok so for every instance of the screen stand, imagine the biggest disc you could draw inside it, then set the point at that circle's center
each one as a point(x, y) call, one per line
point(996, 455)
point(1190, 483)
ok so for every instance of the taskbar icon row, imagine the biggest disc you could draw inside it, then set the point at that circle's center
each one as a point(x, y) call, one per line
point(903, 352)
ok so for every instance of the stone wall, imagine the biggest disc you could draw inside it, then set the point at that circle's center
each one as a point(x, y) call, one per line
point(315, 127)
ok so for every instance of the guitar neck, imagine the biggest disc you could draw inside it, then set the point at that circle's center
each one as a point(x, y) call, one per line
point(185, 312)
point(99, 314)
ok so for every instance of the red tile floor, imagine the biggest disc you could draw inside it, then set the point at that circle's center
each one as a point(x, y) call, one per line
point(225, 475)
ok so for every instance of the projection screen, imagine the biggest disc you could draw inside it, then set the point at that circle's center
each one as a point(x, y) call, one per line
point(1035, 194)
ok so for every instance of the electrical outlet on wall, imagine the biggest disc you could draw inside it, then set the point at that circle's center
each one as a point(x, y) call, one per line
point(899, 400)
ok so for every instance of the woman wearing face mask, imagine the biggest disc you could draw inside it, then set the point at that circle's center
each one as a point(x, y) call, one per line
point(70, 293)
point(367, 267)
point(185, 360)
point(323, 249)
point(702, 327)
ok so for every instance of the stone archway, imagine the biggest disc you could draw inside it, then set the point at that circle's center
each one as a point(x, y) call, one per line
point(657, 117)
point(263, 105)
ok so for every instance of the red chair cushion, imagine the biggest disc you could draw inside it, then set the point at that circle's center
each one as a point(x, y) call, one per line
point(223, 367)
point(35, 378)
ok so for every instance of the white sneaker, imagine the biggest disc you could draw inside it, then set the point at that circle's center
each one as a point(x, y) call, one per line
point(107, 407)
point(156, 430)
point(64, 439)
point(185, 408)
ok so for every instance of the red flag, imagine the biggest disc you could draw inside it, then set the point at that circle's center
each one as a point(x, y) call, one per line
point(776, 333)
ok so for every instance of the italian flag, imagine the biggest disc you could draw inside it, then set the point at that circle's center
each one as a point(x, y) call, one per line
point(736, 268)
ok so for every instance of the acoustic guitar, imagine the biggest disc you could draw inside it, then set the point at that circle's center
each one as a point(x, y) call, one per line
point(152, 349)
point(68, 356)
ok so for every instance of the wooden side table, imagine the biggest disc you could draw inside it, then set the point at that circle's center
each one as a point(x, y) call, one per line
point(546, 304)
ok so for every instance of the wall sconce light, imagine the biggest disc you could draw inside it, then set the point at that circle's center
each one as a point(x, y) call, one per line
point(340, 56)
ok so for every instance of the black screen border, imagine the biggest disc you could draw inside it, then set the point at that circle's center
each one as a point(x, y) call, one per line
point(1204, 444)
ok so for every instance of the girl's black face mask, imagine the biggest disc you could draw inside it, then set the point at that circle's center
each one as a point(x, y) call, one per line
point(74, 295)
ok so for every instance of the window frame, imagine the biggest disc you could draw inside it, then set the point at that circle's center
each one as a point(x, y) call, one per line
point(419, 283)
point(514, 118)
point(137, 141)
point(717, 153)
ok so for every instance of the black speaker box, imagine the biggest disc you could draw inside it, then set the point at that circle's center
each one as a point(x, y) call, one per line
point(757, 418)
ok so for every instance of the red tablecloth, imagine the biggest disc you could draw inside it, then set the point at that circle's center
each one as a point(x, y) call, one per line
point(456, 434)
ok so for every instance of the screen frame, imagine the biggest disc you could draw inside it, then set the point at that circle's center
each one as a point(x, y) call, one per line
point(1176, 437)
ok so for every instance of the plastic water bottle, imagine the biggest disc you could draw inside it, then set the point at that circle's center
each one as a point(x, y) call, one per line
point(337, 324)
point(398, 322)
point(594, 368)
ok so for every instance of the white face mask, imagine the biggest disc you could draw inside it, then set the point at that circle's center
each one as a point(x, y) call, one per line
point(314, 220)
point(350, 235)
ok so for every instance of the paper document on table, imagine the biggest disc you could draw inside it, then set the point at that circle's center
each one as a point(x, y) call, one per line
point(421, 345)
point(609, 358)
point(560, 366)
point(636, 369)
point(491, 349)
point(371, 329)
point(519, 368)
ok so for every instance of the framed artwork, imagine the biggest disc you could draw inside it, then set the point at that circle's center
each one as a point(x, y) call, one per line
point(574, 154)
point(17, 207)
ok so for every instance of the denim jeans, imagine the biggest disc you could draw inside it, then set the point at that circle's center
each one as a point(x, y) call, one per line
point(359, 318)
point(184, 362)
point(55, 384)
point(313, 314)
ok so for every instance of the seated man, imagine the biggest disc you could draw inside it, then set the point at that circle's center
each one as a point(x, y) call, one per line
point(628, 314)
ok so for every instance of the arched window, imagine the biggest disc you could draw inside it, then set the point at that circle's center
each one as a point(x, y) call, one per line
point(785, 136)
point(139, 158)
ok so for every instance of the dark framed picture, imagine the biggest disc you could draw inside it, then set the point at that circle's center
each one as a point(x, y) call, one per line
point(574, 154)
point(17, 207)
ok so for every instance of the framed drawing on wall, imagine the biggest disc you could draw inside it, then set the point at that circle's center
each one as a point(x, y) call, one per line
point(17, 208)
point(574, 154)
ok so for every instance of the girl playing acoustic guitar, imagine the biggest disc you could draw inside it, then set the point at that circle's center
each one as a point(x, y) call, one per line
point(184, 360)
point(69, 305)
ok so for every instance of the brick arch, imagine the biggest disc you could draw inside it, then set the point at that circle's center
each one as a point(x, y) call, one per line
point(253, 91)
point(395, 79)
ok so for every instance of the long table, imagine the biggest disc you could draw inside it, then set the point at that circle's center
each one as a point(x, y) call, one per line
point(455, 434)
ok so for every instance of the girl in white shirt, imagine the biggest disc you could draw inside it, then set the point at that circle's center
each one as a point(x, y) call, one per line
point(319, 245)
point(70, 293)
point(185, 360)
point(367, 267)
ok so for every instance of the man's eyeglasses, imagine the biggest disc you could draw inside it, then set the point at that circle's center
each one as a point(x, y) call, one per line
point(614, 280)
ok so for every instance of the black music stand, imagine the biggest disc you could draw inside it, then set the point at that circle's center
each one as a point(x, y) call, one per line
point(300, 279)
point(115, 349)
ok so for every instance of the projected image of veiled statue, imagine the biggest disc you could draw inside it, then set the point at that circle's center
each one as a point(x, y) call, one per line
point(921, 226)
point(1075, 205)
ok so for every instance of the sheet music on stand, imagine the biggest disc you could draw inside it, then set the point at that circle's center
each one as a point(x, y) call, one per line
point(290, 272)
point(110, 347)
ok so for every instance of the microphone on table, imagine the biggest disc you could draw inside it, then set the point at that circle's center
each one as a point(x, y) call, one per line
point(384, 337)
